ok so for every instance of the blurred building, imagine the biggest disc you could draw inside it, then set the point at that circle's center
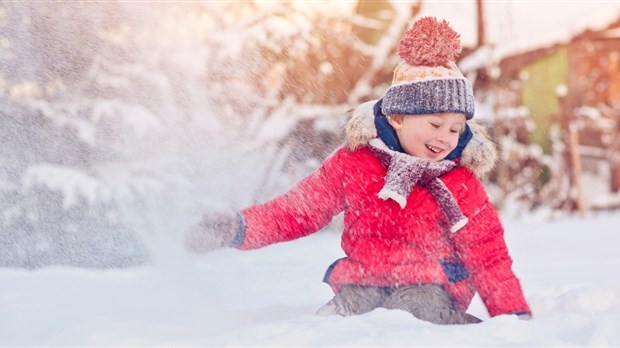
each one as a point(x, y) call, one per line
point(574, 84)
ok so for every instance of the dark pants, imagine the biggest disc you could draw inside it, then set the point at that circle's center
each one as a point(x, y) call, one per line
point(428, 302)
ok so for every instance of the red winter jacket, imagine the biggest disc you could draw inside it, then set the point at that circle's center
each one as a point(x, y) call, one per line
point(389, 246)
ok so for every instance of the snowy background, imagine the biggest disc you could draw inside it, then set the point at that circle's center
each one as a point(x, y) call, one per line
point(122, 122)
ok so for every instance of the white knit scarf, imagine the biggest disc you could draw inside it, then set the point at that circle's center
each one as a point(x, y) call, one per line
point(405, 171)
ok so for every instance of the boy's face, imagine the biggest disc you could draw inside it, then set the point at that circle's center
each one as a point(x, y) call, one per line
point(430, 137)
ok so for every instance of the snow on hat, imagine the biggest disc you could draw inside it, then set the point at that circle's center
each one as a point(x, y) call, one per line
point(428, 81)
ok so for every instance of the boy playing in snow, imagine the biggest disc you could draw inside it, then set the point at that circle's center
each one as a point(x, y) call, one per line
point(420, 234)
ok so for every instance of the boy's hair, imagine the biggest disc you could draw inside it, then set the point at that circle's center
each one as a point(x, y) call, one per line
point(428, 80)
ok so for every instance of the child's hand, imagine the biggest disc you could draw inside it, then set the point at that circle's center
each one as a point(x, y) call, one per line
point(214, 231)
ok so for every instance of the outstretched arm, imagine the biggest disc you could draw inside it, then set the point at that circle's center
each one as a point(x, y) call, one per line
point(304, 209)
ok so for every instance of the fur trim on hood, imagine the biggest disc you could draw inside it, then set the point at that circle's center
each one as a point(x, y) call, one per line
point(479, 156)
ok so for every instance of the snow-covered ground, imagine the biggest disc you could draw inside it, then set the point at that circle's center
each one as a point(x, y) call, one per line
point(570, 271)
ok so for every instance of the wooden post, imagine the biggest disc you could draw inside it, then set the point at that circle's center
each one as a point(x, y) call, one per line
point(613, 96)
point(614, 159)
point(615, 172)
point(480, 23)
point(576, 167)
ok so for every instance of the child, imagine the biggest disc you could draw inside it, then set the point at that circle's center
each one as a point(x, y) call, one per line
point(420, 234)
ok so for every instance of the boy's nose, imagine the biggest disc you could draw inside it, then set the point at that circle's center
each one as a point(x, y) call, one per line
point(443, 137)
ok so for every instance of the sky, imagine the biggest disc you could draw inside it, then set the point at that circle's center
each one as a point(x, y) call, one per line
point(513, 26)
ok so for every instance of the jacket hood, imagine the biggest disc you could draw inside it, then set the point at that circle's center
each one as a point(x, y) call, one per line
point(479, 156)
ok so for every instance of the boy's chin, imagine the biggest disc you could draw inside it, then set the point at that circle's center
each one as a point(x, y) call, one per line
point(432, 158)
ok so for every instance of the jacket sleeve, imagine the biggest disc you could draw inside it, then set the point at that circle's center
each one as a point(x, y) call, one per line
point(304, 209)
point(482, 249)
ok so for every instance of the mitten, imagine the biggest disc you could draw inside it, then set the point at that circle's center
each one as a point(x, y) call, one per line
point(525, 316)
point(214, 231)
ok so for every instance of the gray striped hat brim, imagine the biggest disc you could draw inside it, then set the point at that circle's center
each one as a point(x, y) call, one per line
point(430, 97)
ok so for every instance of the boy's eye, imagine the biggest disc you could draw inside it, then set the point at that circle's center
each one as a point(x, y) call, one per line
point(436, 125)
point(455, 130)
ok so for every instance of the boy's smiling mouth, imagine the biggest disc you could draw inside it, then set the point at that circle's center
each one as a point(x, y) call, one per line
point(433, 149)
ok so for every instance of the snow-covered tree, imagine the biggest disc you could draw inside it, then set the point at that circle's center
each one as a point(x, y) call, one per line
point(77, 119)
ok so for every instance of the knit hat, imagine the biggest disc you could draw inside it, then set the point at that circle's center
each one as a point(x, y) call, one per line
point(428, 81)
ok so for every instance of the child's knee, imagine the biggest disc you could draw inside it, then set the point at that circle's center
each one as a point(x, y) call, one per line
point(427, 302)
point(354, 300)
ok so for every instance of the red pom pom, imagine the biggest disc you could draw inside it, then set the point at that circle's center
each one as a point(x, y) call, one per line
point(429, 42)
